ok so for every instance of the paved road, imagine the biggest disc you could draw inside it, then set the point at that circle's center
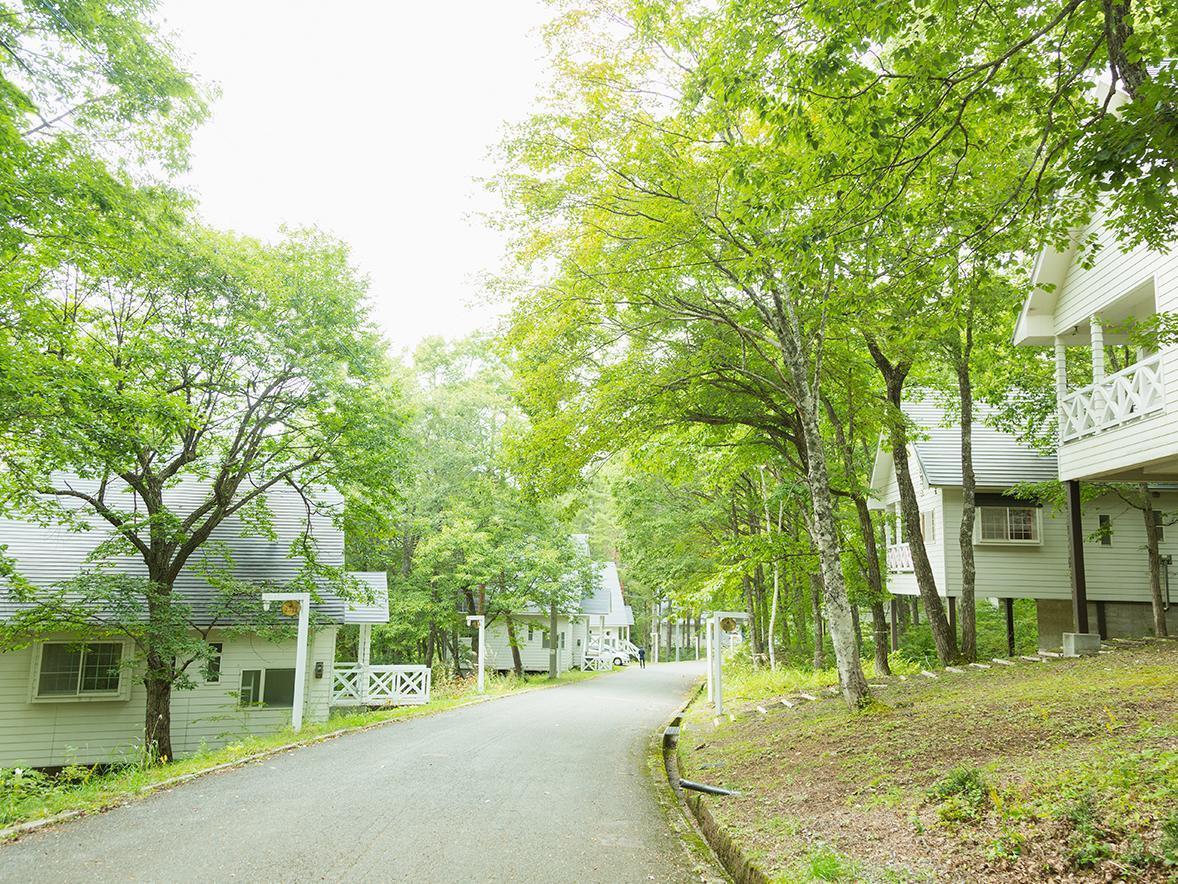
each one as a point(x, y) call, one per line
point(546, 786)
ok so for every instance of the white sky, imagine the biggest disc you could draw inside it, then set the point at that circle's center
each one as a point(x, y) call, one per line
point(369, 119)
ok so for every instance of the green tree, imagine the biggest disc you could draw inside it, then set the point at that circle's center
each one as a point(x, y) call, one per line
point(234, 365)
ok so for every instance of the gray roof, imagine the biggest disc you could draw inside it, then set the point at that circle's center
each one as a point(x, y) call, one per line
point(1000, 460)
point(49, 554)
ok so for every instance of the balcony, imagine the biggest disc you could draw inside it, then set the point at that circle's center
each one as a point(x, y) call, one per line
point(1129, 394)
point(899, 558)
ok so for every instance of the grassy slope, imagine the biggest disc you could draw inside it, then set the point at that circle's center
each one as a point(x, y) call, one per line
point(1024, 773)
point(28, 795)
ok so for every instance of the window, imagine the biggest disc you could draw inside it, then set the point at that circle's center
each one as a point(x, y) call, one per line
point(1159, 526)
point(267, 687)
point(1008, 524)
point(559, 640)
point(531, 632)
point(80, 669)
point(928, 526)
point(212, 669)
point(1106, 529)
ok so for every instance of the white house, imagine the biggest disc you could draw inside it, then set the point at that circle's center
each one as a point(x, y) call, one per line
point(1121, 424)
point(73, 698)
point(603, 612)
point(1021, 547)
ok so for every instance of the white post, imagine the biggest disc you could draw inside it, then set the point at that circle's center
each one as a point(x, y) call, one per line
point(1097, 351)
point(717, 654)
point(481, 620)
point(304, 602)
point(364, 660)
point(708, 643)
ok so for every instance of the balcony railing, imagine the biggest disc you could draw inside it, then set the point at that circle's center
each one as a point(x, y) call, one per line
point(900, 557)
point(354, 685)
point(1122, 397)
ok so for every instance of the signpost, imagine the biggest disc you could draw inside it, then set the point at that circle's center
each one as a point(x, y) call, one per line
point(482, 622)
point(719, 622)
point(295, 603)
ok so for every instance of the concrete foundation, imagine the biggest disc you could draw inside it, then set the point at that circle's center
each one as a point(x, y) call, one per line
point(1121, 620)
point(1080, 644)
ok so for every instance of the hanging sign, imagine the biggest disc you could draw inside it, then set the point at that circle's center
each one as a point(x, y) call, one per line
point(728, 624)
point(290, 608)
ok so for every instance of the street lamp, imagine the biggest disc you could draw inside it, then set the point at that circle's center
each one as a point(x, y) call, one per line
point(719, 621)
point(482, 622)
point(303, 602)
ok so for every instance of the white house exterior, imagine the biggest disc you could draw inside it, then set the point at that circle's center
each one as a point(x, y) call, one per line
point(602, 612)
point(1021, 548)
point(1122, 426)
point(72, 698)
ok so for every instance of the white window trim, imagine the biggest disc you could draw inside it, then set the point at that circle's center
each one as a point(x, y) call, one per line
point(977, 528)
point(122, 694)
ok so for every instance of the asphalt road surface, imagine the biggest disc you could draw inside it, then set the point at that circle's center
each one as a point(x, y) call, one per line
point(546, 786)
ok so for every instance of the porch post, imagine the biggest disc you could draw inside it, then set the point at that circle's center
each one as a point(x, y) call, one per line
point(364, 660)
point(1076, 543)
point(952, 602)
point(1009, 627)
point(1061, 371)
point(1097, 350)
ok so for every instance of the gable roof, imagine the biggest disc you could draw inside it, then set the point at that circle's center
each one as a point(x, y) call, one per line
point(48, 554)
point(1000, 460)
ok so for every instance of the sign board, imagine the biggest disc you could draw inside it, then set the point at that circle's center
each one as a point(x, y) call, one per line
point(728, 624)
point(290, 608)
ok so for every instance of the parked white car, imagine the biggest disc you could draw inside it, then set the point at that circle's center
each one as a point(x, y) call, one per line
point(617, 652)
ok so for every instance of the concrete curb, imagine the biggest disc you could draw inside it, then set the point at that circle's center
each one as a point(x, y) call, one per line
point(724, 848)
point(18, 830)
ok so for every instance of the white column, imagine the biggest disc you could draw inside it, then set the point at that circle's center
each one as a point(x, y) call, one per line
point(1097, 350)
point(482, 656)
point(708, 644)
point(300, 685)
point(364, 660)
point(1061, 370)
point(717, 656)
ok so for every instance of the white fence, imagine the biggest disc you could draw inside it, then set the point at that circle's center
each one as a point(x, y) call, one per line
point(1127, 395)
point(353, 685)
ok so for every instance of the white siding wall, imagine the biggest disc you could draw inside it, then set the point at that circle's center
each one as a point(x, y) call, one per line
point(1085, 293)
point(1118, 572)
point(533, 655)
point(929, 500)
point(47, 734)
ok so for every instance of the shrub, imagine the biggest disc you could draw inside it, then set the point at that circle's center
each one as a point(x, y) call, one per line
point(962, 794)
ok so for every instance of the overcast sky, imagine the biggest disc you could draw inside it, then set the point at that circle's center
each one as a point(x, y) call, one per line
point(370, 119)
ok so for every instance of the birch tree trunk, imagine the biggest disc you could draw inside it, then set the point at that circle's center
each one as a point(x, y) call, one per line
point(1155, 562)
point(816, 609)
point(894, 377)
point(969, 632)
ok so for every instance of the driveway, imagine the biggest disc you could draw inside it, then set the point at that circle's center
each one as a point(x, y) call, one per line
point(545, 786)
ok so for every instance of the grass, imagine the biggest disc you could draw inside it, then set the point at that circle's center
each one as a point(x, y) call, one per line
point(27, 794)
point(1064, 769)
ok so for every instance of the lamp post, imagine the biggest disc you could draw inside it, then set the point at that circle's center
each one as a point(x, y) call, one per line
point(303, 600)
point(482, 622)
point(720, 621)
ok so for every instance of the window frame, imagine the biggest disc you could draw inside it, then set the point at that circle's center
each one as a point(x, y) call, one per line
point(260, 702)
point(213, 665)
point(122, 693)
point(1036, 527)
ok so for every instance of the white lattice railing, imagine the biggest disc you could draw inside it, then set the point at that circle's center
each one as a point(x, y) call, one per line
point(900, 557)
point(1127, 395)
point(599, 663)
point(353, 685)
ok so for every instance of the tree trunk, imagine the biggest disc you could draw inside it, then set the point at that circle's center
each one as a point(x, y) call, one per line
point(879, 637)
point(969, 633)
point(773, 618)
point(816, 610)
point(1155, 563)
point(157, 723)
point(926, 583)
point(516, 662)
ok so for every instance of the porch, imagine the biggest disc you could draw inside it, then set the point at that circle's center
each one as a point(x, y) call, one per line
point(899, 556)
point(389, 685)
point(361, 683)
